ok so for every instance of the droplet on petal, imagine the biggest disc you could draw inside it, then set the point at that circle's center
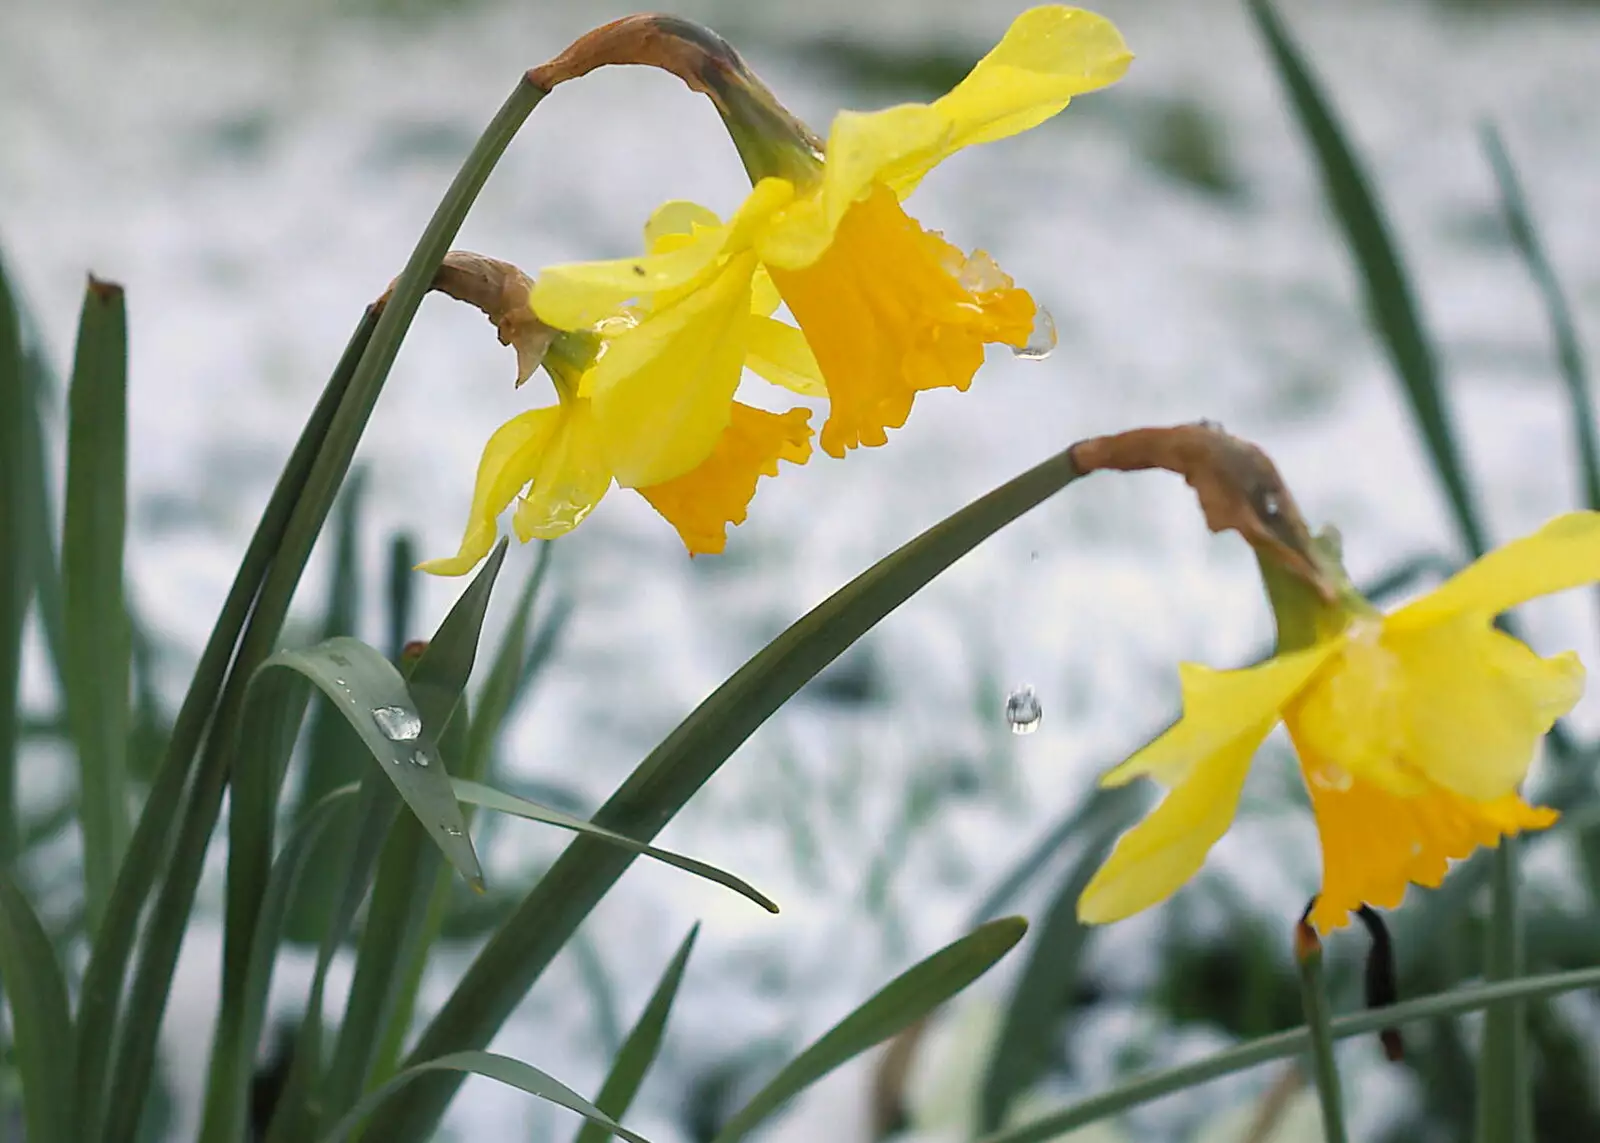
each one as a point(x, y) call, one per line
point(1042, 341)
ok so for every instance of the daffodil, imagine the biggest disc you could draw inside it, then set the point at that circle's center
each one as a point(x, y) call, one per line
point(561, 459)
point(885, 308)
point(1414, 731)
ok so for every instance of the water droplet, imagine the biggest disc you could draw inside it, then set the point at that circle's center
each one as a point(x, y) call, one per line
point(453, 831)
point(397, 723)
point(338, 682)
point(1269, 504)
point(418, 758)
point(1327, 777)
point(1041, 341)
point(1023, 711)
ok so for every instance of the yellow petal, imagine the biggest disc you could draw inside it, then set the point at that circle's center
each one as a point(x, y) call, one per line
point(573, 475)
point(662, 390)
point(1564, 553)
point(780, 353)
point(1217, 705)
point(1477, 703)
point(510, 460)
point(677, 217)
point(891, 309)
point(1047, 56)
point(764, 297)
point(1375, 843)
point(1153, 859)
point(579, 294)
point(701, 504)
point(1456, 704)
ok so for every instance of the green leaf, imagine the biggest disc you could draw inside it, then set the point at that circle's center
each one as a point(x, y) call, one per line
point(477, 794)
point(902, 1002)
point(1391, 300)
point(21, 472)
point(516, 955)
point(100, 996)
point(1146, 1088)
point(372, 694)
point(638, 1051)
point(401, 594)
point(398, 911)
point(97, 647)
point(511, 1072)
point(234, 1047)
point(41, 1025)
point(1046, 981)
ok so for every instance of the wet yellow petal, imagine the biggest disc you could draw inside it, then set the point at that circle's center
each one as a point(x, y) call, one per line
point(764, 297)
point(1375, 843)
point(891, 309)
point(701, 504)
point(1154, 859)
point(1456, 704)
point(572, 476)
point(662, 390)
point(510, 460)
point(780, 353)
point(1564, 553)
point(1217, 706)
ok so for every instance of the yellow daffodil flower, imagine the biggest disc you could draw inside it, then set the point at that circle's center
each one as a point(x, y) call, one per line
point(565, 459)
point(1414, 731)
point(887, 309)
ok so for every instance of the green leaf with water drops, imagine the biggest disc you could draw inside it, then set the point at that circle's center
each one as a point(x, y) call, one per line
point(477, 794)
point(503, 1069)
point(370, 691)
point(899, 1004)
point(659, 786)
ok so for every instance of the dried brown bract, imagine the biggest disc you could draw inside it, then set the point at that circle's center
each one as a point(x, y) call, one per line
point(1238, 486)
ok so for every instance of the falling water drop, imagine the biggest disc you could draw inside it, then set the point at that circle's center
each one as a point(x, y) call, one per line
point(1023, 711)
point(1041, 341)
point(397, 723)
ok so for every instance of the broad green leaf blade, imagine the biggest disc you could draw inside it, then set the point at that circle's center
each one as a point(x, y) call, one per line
point(1038, 1000)
point(332, 757)
point(233, 1048)
point(901, 1003)
point(477, 794)
point(440, 677)
point(1391, 301)
point(638, 1051)
point(41, 1025)
point(513, 1073)
point(1147, 1088)
point(20, 474)
point(660, 785)
point(91, 575)
point(101, 993)
point(368, 690)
